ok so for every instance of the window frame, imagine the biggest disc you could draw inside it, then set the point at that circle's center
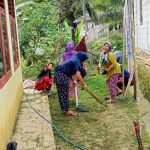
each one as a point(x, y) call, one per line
point(15, 48)
point(7, 74)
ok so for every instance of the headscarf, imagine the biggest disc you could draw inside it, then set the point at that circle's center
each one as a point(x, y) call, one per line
point(105, 55)
point(82, 56)
point(110, 45)
point(69, 51)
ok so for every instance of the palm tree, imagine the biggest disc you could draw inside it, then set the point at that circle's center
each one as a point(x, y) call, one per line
point(109, 11)
point(70, 10)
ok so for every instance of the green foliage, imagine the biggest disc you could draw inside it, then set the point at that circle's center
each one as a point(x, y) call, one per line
point(116, 39)
point(110, 11)
point(38, 28)
point(31, 72)
point(77, 35)
point(144, 82)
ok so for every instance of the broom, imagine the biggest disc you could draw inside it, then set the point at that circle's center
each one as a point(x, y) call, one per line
point(93, 95)
point(79, 107)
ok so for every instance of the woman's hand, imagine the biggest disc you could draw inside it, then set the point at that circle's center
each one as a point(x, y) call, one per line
point(84, 85)
point(98, 69)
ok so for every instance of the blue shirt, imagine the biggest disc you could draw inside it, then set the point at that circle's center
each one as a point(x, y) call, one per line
point(74, 64)
point(126, 73)
point(118, 55)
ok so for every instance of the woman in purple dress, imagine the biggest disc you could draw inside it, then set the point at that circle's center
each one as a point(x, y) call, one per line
point(69, 53)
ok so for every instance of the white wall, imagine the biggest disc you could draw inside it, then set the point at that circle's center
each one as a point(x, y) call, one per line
point(142, 31)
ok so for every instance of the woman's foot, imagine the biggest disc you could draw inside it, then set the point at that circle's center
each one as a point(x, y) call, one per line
point(107, 98)
point(119, 93)
point(70, 109)
point(70, 113)
point(110, 101)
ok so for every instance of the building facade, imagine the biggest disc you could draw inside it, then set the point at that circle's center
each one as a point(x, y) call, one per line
point(10, 71)
point(142, 24)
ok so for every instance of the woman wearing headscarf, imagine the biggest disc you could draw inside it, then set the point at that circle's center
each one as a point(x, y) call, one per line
point(69, 53)
point(111, 69)
point(66, 70)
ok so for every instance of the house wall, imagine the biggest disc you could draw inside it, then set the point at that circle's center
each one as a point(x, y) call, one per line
point(142, 31)
point(10, 96)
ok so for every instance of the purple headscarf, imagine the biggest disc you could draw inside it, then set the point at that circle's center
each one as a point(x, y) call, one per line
point(69, 51)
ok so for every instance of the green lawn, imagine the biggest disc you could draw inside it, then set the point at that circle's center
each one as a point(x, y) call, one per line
point(103, 128)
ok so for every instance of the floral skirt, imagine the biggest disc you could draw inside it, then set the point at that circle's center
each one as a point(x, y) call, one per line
point(112, 84)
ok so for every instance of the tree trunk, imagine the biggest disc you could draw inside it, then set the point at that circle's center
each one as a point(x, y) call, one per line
point(57, 47)
point(73, 35)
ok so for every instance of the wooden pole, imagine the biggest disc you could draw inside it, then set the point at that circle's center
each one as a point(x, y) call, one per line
point(137, 131)
point(134, 75)
point(123, 51)
point(135, 78)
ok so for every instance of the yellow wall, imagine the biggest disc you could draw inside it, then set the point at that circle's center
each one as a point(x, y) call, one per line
point(10, 97)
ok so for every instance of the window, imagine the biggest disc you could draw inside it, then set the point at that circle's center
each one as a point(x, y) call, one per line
point(13, 33)
point(5, 70)
point(141, 13)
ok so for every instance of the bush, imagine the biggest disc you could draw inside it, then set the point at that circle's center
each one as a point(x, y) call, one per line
point(144, 82)
point(116, 39)
point(31, 72)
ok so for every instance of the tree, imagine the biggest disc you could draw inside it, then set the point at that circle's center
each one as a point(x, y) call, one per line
point(38, 29)
point(109, 11)
point(70, 10)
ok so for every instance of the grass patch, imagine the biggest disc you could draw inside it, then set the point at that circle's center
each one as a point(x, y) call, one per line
point(103, 128)
point(144, 82)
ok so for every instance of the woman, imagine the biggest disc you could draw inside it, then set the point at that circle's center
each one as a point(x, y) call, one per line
point(65, 71)
point(124, 79)
point(44, 79)
point(111, 68)
point(69, 53)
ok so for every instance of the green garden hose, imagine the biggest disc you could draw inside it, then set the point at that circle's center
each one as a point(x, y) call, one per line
point(56, 129)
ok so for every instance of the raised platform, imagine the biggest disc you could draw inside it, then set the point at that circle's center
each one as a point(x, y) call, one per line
point(31, 131)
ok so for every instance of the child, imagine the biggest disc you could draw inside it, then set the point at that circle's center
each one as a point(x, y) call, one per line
point(44, 79)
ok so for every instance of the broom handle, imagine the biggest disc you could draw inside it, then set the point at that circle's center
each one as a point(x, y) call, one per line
point(76, 94)
point(92, 94)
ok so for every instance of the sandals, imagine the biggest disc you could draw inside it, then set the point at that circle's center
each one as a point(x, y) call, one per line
point(70, 113)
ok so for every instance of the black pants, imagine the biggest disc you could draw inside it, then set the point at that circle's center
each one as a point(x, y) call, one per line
point(62, 84)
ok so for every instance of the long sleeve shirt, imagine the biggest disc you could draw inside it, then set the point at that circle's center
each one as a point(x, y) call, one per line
point(111, 62)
